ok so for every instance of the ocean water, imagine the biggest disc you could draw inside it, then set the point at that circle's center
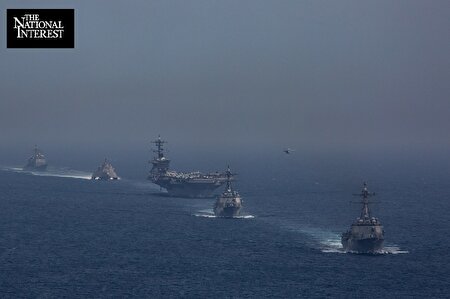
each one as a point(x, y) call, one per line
point(64, 236)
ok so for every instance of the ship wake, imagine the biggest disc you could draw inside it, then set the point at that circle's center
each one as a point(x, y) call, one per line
point(54, 172)
point(327, 241)
point(208, 213)
point(393, 249)
point(330, 242)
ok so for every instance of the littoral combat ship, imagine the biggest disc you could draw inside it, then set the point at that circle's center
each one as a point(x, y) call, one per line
point(105, 172)
point(366, 234)
point(182, 184)
point(229, 203)
point(36, 162)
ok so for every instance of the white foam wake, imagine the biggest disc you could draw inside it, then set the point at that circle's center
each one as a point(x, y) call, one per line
point(393, 249)
point(14, 169)
point(330, 242)
point(208, 213)
point(54, 172)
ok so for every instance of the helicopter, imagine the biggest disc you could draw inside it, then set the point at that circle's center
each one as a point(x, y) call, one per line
point(288, 151)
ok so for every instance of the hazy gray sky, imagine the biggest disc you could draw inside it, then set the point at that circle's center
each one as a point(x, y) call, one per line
point(324, 74)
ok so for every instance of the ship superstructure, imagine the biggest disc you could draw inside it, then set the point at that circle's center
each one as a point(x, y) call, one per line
point(366, 234)
point(229, 203)
point(37, 161)
point(182, 184)
point(105, 172)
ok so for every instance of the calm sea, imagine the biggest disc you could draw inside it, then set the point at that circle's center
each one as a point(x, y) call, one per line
point(64, 236)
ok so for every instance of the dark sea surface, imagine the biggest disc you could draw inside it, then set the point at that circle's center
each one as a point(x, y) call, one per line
point(64, 236)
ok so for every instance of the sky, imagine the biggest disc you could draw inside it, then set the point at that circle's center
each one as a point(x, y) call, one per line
point(318, 75)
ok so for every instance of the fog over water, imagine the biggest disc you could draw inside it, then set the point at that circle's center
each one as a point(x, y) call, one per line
point(359, 89)
point(233, 75)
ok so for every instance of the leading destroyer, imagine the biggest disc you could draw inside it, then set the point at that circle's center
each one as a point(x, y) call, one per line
point(366, 234)
point(182, 184)
point(36, 162)
point(229, 203)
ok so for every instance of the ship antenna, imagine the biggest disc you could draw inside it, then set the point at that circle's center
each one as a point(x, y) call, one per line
point(228, 174)
point(365, 194)
point(160, 147)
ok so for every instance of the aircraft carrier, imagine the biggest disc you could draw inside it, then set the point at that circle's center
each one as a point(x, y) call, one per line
point(36, 162)
point(182, 184)
point(366, 234)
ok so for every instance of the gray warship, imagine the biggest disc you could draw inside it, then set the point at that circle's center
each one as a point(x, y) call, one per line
point(36, 162)
point(366, 234)
point(105, 172)
point(229, 203)
point(182, 184)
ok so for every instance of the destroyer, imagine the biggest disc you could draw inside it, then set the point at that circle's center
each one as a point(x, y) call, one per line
point(36, 162)
point(229, 203)
point(182, 184)
point(366, 234)
point(105, 172)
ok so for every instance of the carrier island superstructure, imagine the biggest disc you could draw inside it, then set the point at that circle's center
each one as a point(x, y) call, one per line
point(182, 184)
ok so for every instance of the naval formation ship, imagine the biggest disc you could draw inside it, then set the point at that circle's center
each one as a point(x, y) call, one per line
point(182, 184)
point(105, 172)
point(366, 234)
point(229, 203)
point(36, 162)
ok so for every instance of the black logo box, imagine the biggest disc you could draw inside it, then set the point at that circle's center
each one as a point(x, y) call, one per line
point(66, 16)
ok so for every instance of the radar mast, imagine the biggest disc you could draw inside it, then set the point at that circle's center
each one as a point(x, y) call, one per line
point(159, 147)
point(365, 194)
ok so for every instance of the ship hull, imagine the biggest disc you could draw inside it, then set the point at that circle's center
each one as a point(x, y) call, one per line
point(191, 190)
point(365, 246)
point(227, 212)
